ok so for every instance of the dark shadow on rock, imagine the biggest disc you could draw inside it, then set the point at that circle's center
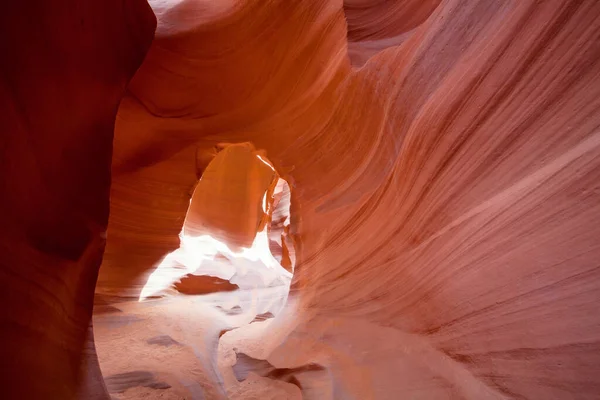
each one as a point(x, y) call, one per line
point(121, 382)
point(246, 364)
point(263, 317)
point(162, 340)
point(106, 309)
point(194, 285)
point(236, 310)
point(224, 331)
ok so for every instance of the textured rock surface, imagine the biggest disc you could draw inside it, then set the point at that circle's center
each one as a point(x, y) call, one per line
point(374, 25)
point(445, 196)
point(64, 69)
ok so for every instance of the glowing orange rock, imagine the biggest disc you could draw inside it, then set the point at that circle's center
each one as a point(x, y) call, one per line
point(229, 201)
point(444, 196)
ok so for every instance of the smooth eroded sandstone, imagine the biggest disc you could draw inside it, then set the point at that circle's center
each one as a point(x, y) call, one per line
point(65, 66)
point(443, 162)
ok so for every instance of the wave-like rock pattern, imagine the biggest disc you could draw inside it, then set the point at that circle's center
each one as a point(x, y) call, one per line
point(374, 25)
point(445, 197)
point(65, 67)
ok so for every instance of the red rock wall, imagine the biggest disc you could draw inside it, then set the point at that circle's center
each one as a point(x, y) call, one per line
point(374, 25)
point(64, 69)
point(443, 196)
point(445, 202)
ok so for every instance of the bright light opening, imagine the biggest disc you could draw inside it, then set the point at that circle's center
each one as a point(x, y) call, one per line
point(221, 289)
point(206, 255)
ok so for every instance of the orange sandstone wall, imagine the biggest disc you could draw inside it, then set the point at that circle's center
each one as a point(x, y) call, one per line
point(445, 195)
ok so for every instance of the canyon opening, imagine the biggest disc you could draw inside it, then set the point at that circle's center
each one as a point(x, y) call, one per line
point(212, 296)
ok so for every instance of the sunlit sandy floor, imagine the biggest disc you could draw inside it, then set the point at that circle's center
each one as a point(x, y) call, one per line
point(166, 345)
point(169, 348)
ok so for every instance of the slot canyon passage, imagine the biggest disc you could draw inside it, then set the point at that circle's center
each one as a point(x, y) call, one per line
point(309, 199)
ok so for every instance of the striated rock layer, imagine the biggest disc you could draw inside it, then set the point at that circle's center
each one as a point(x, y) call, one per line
point(444, 169)
point(65, 66)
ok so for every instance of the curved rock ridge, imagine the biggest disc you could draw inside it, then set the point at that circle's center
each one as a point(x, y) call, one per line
point(374, 25)
point(443, 161)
